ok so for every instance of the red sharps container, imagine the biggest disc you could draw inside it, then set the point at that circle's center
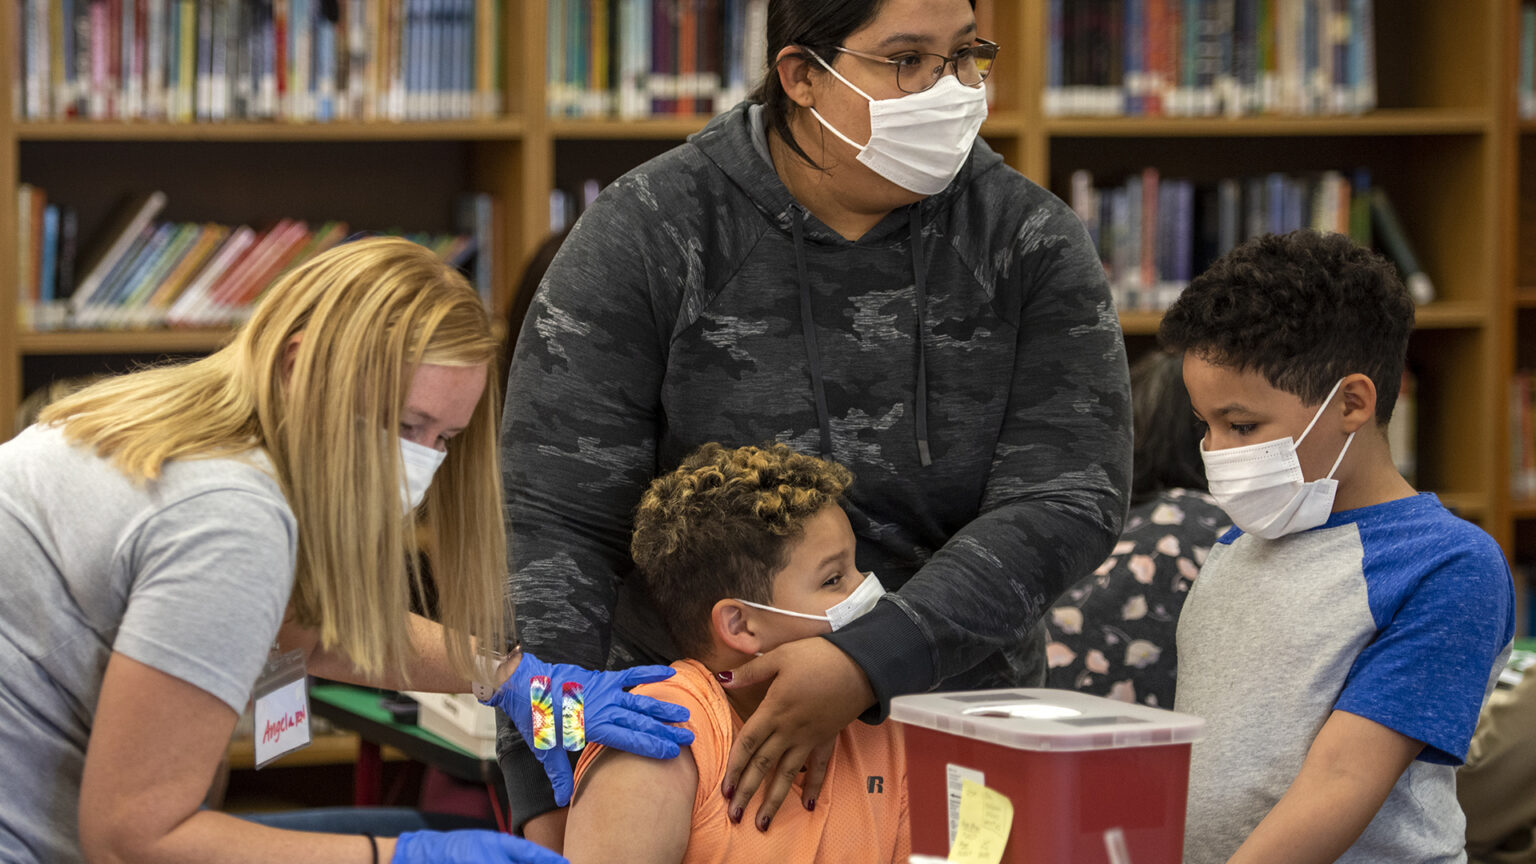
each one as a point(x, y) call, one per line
point(1076, 767)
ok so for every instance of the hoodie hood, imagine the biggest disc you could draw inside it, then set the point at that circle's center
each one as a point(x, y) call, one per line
point(737, 143)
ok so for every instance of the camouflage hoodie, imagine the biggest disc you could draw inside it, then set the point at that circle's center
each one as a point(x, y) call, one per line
point(696, 301)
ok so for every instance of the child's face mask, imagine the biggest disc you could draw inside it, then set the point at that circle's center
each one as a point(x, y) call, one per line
point(1261, 486)
point(859, 601)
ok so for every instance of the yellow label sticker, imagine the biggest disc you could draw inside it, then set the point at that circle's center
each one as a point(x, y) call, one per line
point(986, 816)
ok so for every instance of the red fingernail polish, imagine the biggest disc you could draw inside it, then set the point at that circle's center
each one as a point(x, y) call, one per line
point(736, 815)
point(729, 791)
point(811, 804)
point(762, 824)
point(724, 677)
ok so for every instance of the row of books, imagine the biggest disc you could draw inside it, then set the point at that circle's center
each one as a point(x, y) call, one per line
point(641, 58)
point(302, 60)
point(1209, 57)
point(637, 58)
point(1526, 82)
point(1522, 435)
point(1154, 233)
point(143, 271)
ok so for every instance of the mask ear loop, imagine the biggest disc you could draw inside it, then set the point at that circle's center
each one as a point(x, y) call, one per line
point(822, 120)
point(1318, 416)
point(826, 618)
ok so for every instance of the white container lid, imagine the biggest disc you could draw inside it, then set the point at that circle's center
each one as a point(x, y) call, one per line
point(1047, 720)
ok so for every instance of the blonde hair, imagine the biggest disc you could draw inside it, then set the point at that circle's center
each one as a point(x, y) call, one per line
point(722, 525)
point(325, 358)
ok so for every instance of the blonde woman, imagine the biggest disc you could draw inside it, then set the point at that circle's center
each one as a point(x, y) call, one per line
point(168, 532)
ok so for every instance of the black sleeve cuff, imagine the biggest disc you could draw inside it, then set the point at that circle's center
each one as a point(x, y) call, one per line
point(892, 651)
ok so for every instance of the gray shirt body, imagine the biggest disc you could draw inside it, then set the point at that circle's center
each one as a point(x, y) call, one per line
point(1399, 612)
point(189, 574)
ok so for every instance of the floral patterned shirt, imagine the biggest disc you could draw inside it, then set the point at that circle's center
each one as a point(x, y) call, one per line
point(1112, 633)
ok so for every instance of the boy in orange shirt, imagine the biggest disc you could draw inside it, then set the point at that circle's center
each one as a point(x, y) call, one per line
point(741, 551)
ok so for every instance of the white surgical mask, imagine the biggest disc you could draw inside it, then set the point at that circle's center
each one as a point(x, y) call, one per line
point(420, 464)
point(1262, 489)
point(918, 141)
point(859, 601)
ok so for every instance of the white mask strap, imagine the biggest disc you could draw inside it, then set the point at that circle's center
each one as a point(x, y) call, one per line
point(838, 76)
point(1319, 414)
point(1347, 442)
point(783, 611)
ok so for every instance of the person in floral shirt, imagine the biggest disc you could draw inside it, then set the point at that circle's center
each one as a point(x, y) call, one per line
point(1112, 633)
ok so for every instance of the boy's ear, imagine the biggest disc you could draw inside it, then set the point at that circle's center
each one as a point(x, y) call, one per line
point(731, 621)
point(1359, 401)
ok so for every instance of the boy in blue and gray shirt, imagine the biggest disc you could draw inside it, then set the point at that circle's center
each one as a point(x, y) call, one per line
point(1341, 638)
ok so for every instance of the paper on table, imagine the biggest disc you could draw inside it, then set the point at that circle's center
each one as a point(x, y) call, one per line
point(986, 816)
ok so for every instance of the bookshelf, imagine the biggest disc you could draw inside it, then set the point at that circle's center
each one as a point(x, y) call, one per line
point(1517, 286)
point(1444, 138)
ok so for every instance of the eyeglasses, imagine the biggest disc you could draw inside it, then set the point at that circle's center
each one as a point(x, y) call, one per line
point(916, 71)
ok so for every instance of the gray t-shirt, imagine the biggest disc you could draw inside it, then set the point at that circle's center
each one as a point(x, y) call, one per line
point(189, 574)
point(1399, 613)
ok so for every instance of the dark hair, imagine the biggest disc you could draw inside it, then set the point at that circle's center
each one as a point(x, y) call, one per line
point(819, 25)
point(1302, 309)
point(1165, 452)
point(721, 525)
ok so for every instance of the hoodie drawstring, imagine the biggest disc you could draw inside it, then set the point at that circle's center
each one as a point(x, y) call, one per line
point(808, 326)
point(920, 290)
point(813, 349)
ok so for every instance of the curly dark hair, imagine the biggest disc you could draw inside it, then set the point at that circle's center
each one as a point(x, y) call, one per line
point(721, 525)
point(1302, 309)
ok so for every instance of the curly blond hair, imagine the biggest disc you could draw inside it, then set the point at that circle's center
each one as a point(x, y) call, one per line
point(721, 525)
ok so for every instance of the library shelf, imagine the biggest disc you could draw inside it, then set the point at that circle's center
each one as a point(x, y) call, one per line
point(1472, 506)
point(508, 129)
point(1385, 122)
point(1001, 124)
point(333, 748)
point(604, 128)
point(122, 341)
point(1522, 508)
point(1440, 315)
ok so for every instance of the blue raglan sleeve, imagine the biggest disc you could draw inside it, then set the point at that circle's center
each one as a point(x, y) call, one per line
point(1440, 640)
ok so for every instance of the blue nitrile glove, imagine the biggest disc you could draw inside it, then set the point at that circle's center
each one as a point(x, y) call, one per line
point(626, 721)
point(472, 846)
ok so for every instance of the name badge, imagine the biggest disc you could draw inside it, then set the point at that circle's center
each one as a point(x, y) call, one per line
point(282, 707)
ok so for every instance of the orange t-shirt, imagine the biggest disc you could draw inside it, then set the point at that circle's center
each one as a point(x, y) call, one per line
point(860, 815)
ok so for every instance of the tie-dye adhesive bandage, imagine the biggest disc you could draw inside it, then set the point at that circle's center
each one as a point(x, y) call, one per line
point(573, 720)
point(542, 702)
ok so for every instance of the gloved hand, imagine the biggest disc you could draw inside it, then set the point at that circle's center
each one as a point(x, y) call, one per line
point(613, 718)
point(470, 847)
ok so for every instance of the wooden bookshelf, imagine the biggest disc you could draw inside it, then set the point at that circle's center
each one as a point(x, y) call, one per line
point(330, 748)
point(1445, 139)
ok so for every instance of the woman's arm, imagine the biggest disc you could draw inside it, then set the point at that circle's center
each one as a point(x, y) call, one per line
point(429, 671)
point(633, 809)
point(155, 744)
point(578, 446)
point(1055, 496)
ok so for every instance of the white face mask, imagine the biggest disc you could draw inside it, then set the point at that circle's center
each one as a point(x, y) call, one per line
point(420, 464)
point(918, 141)
point(859, 601)
point(1261, 486)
